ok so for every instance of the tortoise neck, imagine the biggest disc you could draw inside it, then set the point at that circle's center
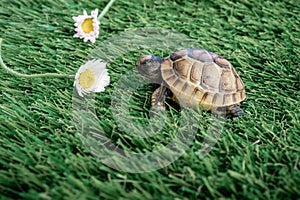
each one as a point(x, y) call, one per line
point(158, 78)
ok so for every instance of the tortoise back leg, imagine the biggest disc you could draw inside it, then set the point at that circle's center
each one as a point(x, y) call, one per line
point(235, 110)
point(158, 100)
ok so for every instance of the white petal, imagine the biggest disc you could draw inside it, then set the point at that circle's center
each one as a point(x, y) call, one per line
point(102, 81)
point(88, 64)
point(94, 13)
point(93, 40)
point(101, 86)
point(78, 88)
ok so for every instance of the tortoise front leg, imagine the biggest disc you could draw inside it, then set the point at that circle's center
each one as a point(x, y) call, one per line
point(235, 110)
point(158, 100)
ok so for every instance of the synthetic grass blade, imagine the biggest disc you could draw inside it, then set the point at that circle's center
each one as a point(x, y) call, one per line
point(46, 75)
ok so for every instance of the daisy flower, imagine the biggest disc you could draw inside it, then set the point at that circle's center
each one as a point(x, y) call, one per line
point(87, 26)
point(91, 77)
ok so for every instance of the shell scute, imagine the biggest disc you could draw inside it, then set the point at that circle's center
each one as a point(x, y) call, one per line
point(199, 54)
point(178, 54)
point(196, 72)
point(211, 77)
point(182, 68)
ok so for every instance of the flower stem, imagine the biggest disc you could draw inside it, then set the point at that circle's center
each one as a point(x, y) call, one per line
point(46, 75)
point(104, 11)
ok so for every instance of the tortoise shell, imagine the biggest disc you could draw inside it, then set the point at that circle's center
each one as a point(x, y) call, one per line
point(201, 78)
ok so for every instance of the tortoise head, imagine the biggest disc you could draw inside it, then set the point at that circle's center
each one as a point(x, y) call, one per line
point(149, 66)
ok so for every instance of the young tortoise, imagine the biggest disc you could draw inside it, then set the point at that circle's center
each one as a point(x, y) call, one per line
point(196, 77)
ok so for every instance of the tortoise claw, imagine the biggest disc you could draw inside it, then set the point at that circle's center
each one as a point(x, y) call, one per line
point(156, 110)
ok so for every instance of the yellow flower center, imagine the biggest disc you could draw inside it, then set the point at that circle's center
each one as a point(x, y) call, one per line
point(87, 25)
point(86, 79)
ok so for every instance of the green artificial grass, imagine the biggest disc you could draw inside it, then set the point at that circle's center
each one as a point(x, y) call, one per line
point(42, 155)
